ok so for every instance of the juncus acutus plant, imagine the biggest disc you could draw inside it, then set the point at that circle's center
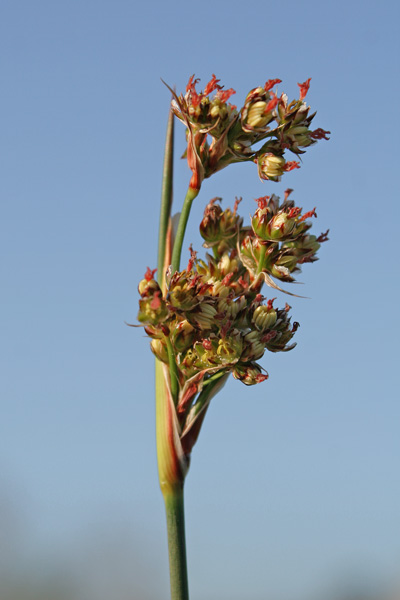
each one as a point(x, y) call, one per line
point(210, 318)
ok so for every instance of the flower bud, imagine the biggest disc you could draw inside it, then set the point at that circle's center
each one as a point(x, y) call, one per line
point(253, 346)
point(258, 110)
point(298, 136)
point(152, 310)
point(264, 317)
point(304, 248)
point(157, 333)
point(256, 255)
point(270, 166)
point(182, 335)
point(249, 373)
point(284, 263)
point(294, 113)
point(281, 272)
point(278, 338)
point(201, 110)
point(210, 229)
point(147, 288)
point(218, 225)
point(278, 342)
point(272, 228)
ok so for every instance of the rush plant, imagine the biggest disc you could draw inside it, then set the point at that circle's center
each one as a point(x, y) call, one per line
point(210, 318)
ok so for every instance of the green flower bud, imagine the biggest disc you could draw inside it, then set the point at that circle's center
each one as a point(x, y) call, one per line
point(304, 248)
point(152, 311)
point(218, 225)
point(298, 136)
point(242, 147)
point(253, 346)
point(182, 335)
point(287, 260)
point(277, 339)
point(279, 342)
point(272, 228)
point(272, 222)
point(249, 373)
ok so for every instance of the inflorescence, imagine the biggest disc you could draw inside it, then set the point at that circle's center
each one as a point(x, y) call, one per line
point(213, 313)
point(265, 116)
point(212, 319)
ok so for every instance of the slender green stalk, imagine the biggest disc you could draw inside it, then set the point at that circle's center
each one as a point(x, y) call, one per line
point(173, 371)
point(180, 234)
point(166, 199)
point(171, 487)
point(174, 509)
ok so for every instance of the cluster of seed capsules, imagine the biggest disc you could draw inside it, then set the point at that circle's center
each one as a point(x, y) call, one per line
point(213, 315)
point(264, 116)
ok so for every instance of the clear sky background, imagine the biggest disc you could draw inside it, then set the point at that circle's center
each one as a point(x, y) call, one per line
point(294, 483)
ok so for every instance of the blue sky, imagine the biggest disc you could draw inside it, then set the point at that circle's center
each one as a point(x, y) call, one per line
point(294, 483)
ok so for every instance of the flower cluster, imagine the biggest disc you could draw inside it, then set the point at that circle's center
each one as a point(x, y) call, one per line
point(213, 319)
point(218, 134)
point(278, 242)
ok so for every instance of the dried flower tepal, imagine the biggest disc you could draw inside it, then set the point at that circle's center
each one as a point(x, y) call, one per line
point(211, 318)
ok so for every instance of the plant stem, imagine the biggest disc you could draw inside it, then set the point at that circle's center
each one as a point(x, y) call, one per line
point(166, 199)
point(173, 371)
point(174, 509)
point(171, 487)
point(180, 234)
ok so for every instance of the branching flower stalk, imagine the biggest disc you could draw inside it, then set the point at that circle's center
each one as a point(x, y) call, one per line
point(210, 319)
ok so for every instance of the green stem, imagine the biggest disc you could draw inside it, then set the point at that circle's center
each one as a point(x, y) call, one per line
point(165, 213)
point(180, 234)
point(173, 371)
point(172, 491)
point(174, 509)
point(166, 198)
